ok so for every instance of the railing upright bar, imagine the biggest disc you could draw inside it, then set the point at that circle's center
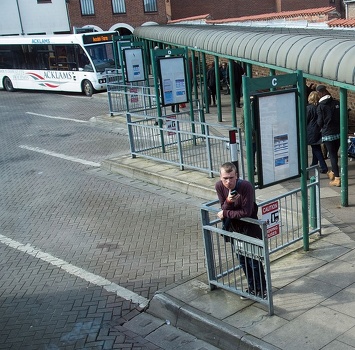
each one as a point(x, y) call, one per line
point(178, 136)
point(267, 269)
point(208, 152)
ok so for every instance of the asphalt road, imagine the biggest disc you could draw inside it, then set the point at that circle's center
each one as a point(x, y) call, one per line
point(81, 250)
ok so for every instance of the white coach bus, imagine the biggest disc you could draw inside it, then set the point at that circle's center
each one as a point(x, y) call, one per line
point(72, 62)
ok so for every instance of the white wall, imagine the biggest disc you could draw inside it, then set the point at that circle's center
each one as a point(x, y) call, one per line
point(9, 19)
point(36, 18)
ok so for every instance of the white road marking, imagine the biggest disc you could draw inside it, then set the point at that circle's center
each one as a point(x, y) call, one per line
point(76, 271)
point(59, 155)
point(61, 118)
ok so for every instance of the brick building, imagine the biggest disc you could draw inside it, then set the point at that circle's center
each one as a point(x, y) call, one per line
point(238, 8)
point(125, 15)
point(120, 15)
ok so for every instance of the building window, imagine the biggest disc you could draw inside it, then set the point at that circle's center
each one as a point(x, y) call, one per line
point(150, 6)
point(118, 6)
point(87, 7)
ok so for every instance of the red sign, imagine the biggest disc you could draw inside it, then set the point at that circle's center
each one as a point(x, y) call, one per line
point(273, 231)
point(270, 214)
point(134, 97)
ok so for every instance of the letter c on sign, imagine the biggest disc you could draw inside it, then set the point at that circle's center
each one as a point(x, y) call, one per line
point(274, 82)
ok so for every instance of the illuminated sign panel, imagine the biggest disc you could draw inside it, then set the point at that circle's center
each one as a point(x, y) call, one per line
point(94, 39)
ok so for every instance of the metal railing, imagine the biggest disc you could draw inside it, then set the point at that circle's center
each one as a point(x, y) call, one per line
point(226, 252)
point(178, 140)
point(290, 228)
point(128, 97)
point(222, 260)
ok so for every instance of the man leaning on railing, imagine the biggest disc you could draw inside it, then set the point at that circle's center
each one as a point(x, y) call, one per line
point(236, 197)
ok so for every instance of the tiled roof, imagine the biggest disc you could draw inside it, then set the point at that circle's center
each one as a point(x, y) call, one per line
point(321, 11)
point(194, 18)
point(277, 15)
point(344, 23)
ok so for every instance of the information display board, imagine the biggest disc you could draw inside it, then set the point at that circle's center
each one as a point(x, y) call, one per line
point(134, 64)
point(277, 136)
point(172, 80)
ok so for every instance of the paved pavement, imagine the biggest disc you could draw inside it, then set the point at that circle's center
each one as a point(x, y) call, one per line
point(313, 291)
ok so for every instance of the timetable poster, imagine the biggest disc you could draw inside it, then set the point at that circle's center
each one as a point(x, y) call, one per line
point(172, 80)
point(134, 65)
point(278, 137)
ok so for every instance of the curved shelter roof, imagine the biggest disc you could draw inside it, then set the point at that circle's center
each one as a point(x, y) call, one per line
point(328, 54)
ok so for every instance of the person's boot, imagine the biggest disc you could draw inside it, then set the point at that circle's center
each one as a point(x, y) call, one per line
point(330, 175)
point(335, 182)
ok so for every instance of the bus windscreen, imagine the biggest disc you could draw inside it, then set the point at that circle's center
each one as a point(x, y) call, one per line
point(101, 56)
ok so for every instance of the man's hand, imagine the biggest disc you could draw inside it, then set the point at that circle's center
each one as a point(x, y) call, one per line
point(220, 214)
point(232, 197)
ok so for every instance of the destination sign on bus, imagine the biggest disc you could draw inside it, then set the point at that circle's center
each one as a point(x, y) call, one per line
point(93, 39)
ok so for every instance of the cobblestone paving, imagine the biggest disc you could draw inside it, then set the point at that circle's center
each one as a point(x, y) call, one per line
point(136, 235)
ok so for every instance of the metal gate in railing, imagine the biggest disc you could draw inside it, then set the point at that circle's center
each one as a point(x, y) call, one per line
point(236, 261)
point(222, 260)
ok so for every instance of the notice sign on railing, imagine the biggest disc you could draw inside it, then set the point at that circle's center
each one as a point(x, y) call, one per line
point(270, 214)
point(171, 124)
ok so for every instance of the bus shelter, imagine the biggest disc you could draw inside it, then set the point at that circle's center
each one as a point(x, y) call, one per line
point(324, 56)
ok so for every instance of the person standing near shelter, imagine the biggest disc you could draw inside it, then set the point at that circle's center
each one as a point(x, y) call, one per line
point(238, 73)
point(235, 207)
point(211, 84)
point(328, 112)
point(314, 135)
point(224, 76)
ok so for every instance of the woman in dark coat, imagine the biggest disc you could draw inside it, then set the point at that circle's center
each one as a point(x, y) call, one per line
point(314, 135)
point(211, 84)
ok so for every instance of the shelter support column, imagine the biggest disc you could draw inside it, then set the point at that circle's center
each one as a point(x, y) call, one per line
point(344, 198)
point(303, 158)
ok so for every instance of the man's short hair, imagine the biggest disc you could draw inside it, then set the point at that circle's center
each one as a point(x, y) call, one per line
point(228, 167)
point(321, 88)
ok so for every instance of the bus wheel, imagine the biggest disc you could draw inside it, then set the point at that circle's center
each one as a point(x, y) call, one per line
point(7, 83)
point(88, 88)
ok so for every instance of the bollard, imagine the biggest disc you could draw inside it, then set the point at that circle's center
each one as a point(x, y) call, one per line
point(312, 204)
point(233, 148)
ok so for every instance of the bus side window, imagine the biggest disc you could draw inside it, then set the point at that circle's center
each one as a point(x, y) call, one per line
point(52, 62)
point(42, 59)
point(71, 61)
point(5, 59)
point(63, 63)
point(84, 62)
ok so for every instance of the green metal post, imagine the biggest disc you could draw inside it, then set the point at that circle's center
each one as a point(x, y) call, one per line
point(249, 70)
point(248, 130)
point(218, 88)
point(205, 89)
point(303, 157)
point(154, 55)
point(232, 93)
point(115, 51)
point(194, 75)
point(344, 147)
point(189, 90)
